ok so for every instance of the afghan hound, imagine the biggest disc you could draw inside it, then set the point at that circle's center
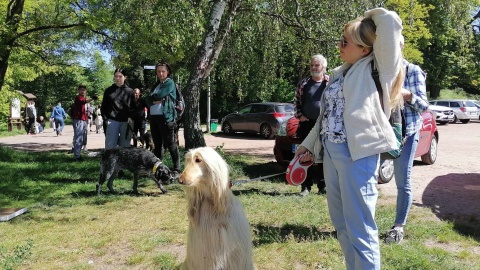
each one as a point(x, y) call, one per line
point(218, 233)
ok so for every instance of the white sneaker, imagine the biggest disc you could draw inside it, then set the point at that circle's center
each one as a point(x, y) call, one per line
point(304, 193)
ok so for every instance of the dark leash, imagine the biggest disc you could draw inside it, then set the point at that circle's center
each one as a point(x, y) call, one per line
point(239, 182)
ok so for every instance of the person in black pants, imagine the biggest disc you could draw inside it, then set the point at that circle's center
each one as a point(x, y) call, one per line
point(138, 116)
point(307, 108)
point(161, 102)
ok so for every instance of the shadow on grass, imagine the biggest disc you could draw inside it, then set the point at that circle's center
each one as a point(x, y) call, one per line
point(455, 197)
point(261, 192)
point(270, 234)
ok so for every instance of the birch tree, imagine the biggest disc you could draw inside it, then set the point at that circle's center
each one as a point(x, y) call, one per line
point(218, 27)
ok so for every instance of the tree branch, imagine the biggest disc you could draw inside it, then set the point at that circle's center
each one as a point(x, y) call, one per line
point(43, 57)
point(46, 27)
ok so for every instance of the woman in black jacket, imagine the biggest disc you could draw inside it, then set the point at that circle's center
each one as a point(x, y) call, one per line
point(116, 105)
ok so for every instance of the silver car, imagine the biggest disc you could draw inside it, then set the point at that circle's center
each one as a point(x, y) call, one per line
point(477, 103)
point(264, 118)
point(443, 115)
point(465, 110)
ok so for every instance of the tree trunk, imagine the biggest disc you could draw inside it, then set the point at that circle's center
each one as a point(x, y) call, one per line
point(7, 35)
point(208, 54)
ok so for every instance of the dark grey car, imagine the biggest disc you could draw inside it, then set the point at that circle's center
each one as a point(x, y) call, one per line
point(264, 118)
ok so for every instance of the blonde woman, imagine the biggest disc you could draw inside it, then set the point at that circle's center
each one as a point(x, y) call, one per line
point(353, 129)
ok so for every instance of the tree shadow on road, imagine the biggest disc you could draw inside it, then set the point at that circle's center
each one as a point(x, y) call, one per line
point(456, 197)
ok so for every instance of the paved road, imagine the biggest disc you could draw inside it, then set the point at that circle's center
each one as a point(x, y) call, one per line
point(47, 141)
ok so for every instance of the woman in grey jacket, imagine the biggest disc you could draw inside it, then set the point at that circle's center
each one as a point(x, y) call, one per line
point(352, 130)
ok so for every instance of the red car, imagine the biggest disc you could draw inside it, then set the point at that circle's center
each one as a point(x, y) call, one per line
point(286, 143)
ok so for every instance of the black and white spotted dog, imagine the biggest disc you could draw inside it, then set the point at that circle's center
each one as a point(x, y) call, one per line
point(139, 161)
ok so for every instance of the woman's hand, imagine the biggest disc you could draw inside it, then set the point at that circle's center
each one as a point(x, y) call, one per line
point(303, 118)
point(306, 156)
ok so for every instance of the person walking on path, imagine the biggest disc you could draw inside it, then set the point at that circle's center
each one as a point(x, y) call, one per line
point(58, 116)
point(416, 102)
point(98, 119)
point(307, 108)
point(80, 120)
point(31, 116)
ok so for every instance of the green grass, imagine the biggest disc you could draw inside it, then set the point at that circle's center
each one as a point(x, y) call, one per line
point(68, 227)
point(457, 94)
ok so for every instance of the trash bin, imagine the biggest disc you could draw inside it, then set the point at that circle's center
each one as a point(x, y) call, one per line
point(213, 125)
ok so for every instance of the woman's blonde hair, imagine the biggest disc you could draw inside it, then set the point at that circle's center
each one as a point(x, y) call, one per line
point(363, 33)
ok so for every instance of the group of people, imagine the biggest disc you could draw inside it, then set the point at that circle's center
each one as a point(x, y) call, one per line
point(345, 128)
point(122, 105)
point(342, 122)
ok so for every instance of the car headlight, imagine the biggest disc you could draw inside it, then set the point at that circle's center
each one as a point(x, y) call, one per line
point(282, 130)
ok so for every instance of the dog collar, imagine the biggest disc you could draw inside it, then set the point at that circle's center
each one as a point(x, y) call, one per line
point(155, 167)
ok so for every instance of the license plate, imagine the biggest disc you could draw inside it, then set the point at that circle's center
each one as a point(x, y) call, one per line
point(295, 147)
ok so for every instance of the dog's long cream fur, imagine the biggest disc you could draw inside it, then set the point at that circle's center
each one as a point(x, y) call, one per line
point(219, 233)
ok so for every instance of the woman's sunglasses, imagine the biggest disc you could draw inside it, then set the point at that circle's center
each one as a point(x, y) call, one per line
point(342, 42)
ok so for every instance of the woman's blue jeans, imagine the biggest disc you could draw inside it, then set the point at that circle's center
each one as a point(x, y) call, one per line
point(403, 169)
point(117, 134)
point(352, 196)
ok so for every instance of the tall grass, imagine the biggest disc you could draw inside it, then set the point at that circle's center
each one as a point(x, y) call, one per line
point(68, 227)
point(457, 94)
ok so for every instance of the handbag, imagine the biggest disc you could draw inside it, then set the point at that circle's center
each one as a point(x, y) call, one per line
point(396, 120)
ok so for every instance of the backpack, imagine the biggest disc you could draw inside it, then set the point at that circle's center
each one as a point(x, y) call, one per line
point(179, 103)
point(397, 120)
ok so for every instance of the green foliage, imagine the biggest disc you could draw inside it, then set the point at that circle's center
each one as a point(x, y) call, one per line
point(265, 55)
point(449, 61)
point(269, 49)
point(415, 31)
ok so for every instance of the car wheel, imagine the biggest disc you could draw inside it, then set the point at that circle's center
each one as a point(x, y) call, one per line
point(431, 156)
point(282, 158)
point(455, 119)
point(227, 128)
point(266, 131)
point(464, 121)
point(385, 172)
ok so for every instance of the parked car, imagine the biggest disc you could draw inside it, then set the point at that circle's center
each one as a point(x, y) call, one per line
point(264, 118)
point(442, 115)
point(465, 110)
point(286, 144)
point(477, 104)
